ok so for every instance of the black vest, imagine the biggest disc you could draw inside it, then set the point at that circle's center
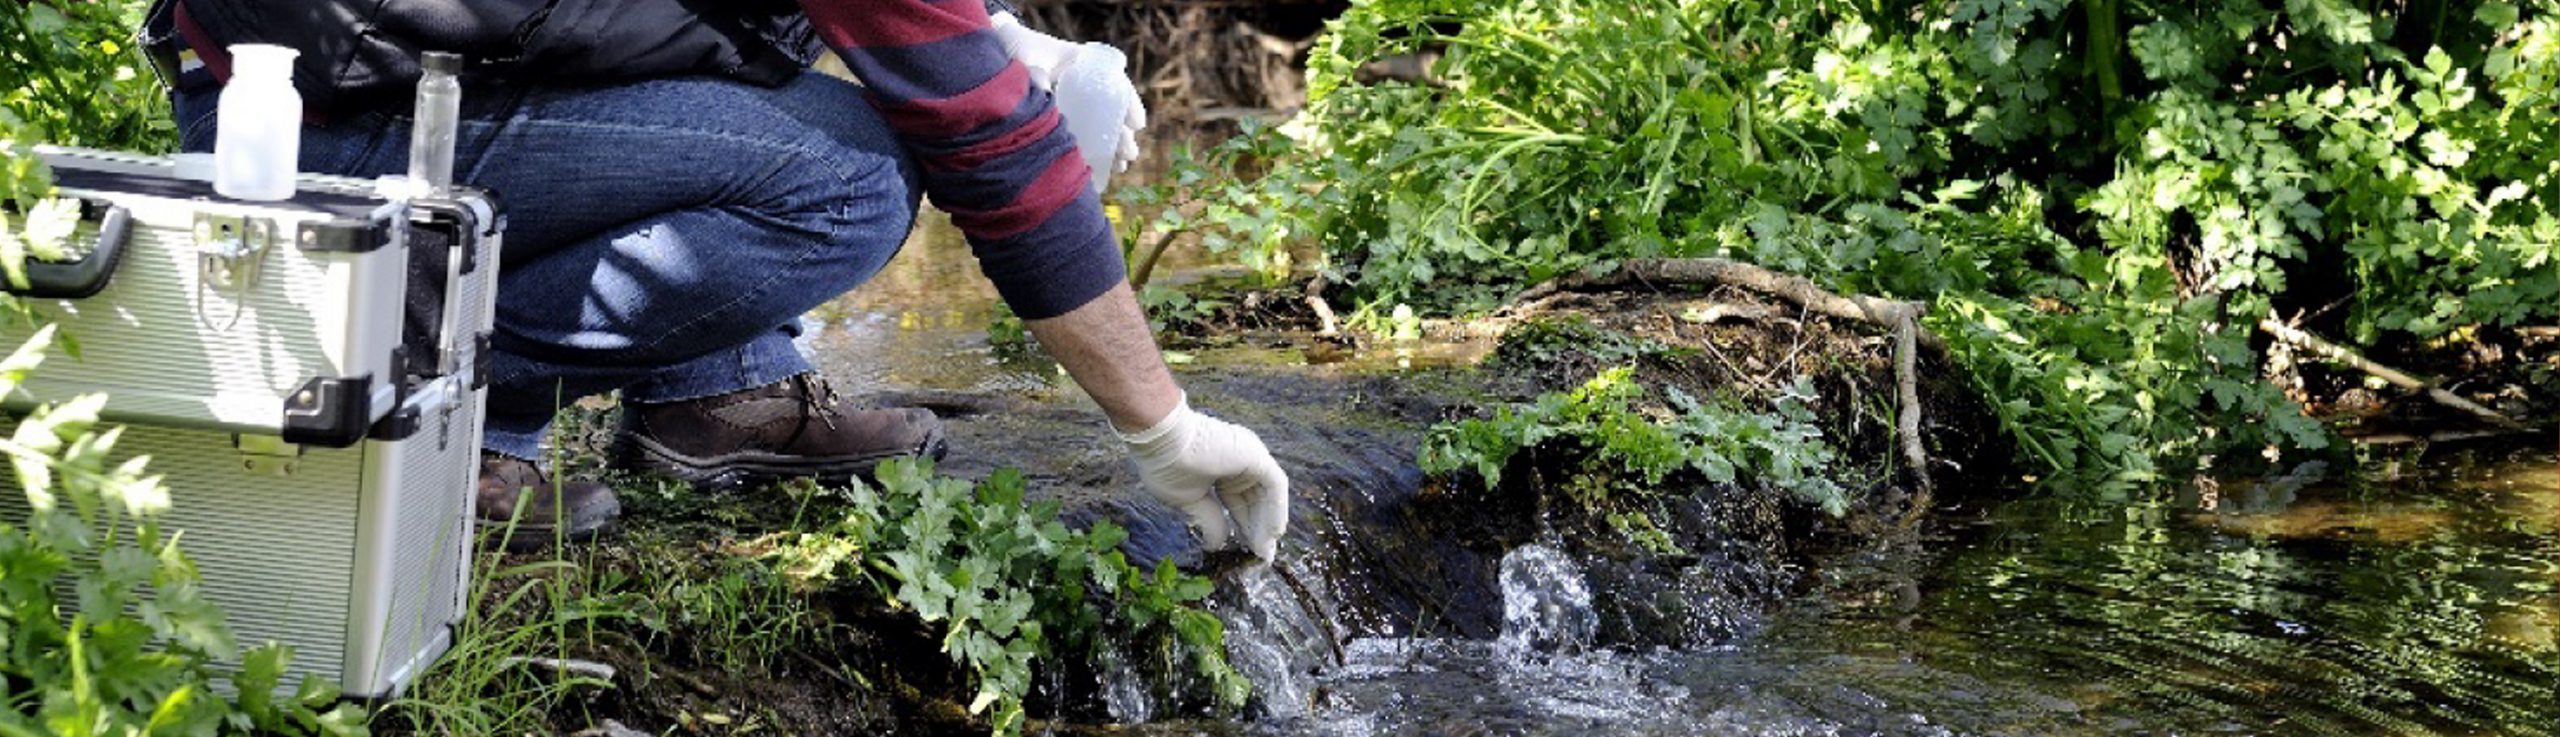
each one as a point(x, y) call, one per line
point(360, 54)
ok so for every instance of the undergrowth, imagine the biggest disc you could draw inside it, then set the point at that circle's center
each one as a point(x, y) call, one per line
point(1630, 449)
point(1009, 586)
point(2100, 199)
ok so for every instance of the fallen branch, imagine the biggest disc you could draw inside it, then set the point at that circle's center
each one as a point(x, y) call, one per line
point(2297, 338)
point(1883, 313)
point(1903, 318)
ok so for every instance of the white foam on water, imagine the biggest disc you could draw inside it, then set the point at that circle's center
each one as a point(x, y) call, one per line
point(1546, 606)
point(1124, 692)
point(1259, 645)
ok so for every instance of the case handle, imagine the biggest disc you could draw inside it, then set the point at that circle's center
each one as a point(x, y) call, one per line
point(86, 277)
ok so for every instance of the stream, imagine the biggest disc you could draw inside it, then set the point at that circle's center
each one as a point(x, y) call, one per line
point(2396, 598)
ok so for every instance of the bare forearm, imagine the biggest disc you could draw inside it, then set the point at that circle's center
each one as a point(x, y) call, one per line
point(1106, 346)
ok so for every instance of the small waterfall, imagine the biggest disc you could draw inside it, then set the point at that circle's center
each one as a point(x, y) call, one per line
point(1264, 635)
point(1546, 607)
point(1124, 691)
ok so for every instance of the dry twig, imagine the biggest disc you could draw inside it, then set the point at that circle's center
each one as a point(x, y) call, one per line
point(2313, 344)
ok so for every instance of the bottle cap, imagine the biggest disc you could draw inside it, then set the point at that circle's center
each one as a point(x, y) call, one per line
point(262, 61)
point(441, 62)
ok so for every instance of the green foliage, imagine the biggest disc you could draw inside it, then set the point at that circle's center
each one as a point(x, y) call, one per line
point(1541, 341)
point(2100, 198)
point(738, 614)
point(69, 73)
point(1009, 585)
point(1634, 450)
point(1254, 220)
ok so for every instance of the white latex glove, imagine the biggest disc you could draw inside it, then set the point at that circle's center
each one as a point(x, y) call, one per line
point(1048, 58)
point(1219, 474)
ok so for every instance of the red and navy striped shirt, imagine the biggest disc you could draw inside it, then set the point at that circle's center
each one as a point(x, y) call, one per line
point(992, 149)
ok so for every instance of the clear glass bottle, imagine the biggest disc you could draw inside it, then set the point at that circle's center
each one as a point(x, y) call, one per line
point(439, 112)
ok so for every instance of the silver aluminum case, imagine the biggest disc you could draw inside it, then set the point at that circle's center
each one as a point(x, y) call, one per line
point(357, 557)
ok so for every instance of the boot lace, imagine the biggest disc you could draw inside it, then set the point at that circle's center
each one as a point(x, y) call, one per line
point(817, 397)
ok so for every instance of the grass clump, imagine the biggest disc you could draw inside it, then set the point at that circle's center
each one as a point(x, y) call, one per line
point(505, 673)
point(1008, 586)
point(1630, 450)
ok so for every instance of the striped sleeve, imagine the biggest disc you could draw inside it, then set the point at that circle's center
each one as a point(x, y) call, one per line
point(992, 149)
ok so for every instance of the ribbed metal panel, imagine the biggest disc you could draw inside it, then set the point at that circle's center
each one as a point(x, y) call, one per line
point(165, 357)
point(275, 548)
point(432, 542)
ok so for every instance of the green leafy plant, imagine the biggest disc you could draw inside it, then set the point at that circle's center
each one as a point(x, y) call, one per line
point(2099, 198)
point(132, 652)
point(70, 74)
point(1008, 585)
point(1631, 451)
point(1228, 199)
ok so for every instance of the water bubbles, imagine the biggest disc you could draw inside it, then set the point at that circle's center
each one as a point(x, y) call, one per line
point(1265, 639)
point(1124, 691)
point(1546, 607)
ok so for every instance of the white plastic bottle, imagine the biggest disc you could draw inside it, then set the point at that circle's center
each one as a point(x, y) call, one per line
point(258, 142)
point(1093, 98)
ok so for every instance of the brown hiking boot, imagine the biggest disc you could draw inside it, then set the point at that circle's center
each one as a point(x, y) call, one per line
point(795, 428)
point(507, 483)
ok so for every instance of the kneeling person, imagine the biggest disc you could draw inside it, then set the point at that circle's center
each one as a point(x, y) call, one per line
point(683, 188)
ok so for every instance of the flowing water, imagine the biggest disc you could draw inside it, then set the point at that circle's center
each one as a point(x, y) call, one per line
point(2375, 601)
point(2424, 605)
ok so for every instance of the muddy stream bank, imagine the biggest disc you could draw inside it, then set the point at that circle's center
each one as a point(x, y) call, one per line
point(2417, 598)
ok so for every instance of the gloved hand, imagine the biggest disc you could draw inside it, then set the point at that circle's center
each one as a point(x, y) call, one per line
point(1048, 58)
point(1215, 471)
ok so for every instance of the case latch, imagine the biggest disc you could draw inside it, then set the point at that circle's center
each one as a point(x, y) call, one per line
point(267, 455)
point(230, 252)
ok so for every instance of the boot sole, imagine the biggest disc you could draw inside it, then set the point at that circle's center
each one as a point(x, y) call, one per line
point(749, 469)
point(533, 538)
point(584, 525)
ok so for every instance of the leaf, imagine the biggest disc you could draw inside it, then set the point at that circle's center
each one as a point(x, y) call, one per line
point(48, 228)
point(181, 613)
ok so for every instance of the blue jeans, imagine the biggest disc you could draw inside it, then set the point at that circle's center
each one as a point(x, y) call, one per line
point(663, 237)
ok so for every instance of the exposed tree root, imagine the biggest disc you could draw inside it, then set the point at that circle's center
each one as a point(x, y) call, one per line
point(1906, 352)
point(1903, 318)
point(1883, 313)
point(2297, 338)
